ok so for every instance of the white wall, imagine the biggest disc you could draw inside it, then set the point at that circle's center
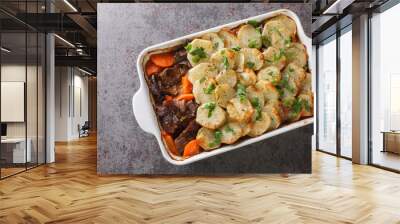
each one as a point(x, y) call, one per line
point(69, 112)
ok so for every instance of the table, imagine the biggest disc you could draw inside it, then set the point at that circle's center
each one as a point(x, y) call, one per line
point(16, 147)
point(122, 147)
point(391, 141)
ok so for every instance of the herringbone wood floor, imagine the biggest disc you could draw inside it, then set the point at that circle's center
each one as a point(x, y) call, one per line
point(69, 191)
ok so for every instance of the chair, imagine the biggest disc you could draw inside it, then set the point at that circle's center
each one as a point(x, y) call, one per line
point(84, 130)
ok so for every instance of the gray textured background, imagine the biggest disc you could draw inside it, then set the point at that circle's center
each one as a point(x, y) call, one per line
point(123, 148)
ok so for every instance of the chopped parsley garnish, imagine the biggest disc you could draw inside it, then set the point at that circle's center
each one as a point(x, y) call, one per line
point(217, 139)
point(241, 92)
point(209, 89)
point(198, 53)
point(288, 41)
point(285, 84)
point(210, 106)
point(265, 41)
point(226, 62)
point(253, 23)
point(255, 102)
point(237, 48)
point(297, 106)
point(250, 64)
point(288, 102)
point(202, 79)
point(258, 29)
point(188, 47)
point(306, 105)
point(229, 129)
point(253, 43)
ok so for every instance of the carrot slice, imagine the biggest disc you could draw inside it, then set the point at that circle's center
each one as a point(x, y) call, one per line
point(169, 141)
point(187, 97)
point(192, 148)
point(163, 59)
point(151, 68)
point(187, 86)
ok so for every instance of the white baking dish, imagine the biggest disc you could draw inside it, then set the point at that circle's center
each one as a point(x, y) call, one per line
point(143, 108)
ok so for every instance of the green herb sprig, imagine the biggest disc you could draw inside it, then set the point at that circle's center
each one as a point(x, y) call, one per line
point(210, 106)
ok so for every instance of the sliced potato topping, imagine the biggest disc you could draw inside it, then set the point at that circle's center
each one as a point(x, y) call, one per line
point(249, 37)
point(275, 57)
point(260, 125)
point(271, 74)
point(247, 77)
point(240, 62)
point(248, 80)
point(204, 90)
point(199, 50)
point(295, 73)
point(202, 70)
point(279, 32)
point(272, 110)
point(239, 109)
point(297, 54)
point(254, 94)
point(271, 94)
point(227, 77)
point(307, 101)
point(223, 94)
point(224, 59)
point(217, 42)
point(231, 132)
point(210, 115)
point(229, 39)
point(253, 58)
point(208, 139)
point(307, 88)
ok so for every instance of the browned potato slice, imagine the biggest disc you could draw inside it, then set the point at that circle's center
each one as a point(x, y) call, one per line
point(307, 84)
point(297, 54)
point(274, 57)
point(246, 127)
point(295, 73)
point(202, 70)
point(229, 39)
point(223, 94)
point(247, 78)
point(210, 115)
point(253, 58)
point(271, 74)
point(261, 125)
point(249, 37)
point(239, 110)
point(279, 31)
point(224, 59)
point(208, 139)
point(217, 42)
point(204, 90)
point(231, 132)
point(227, 77)
point(307, 100)
point(255, 94)
point(273, 111)
point(240, 62)
point(200, 51)
point(271, 94)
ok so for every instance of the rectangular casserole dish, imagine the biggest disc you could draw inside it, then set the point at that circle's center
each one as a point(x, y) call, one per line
point(144, 111)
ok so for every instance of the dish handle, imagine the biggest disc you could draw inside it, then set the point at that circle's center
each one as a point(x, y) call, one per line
point(143, 111)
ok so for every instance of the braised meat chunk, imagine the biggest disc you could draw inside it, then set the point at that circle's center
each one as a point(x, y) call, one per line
point(188, 134)
point(175, 115)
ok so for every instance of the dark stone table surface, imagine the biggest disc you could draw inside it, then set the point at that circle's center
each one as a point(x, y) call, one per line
point(124, 30)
